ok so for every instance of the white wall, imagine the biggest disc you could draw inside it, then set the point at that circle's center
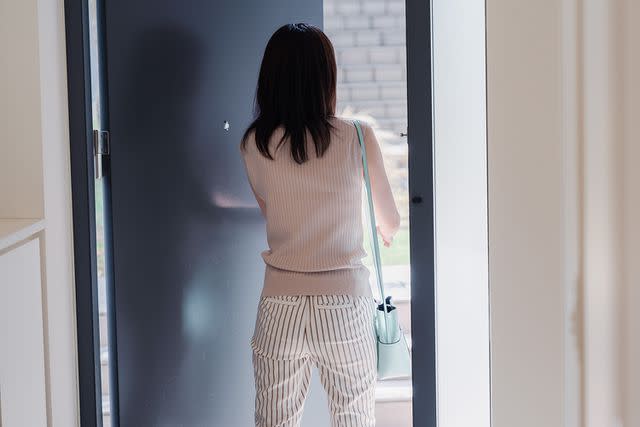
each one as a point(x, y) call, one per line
point(631, 214)
point(462, 293)
point(563, 107)
point(60, 288)
point(526, 212)
point(35, 175)
point(611, 95)
point(572, 194)
point(22, 372)
point(20, 133)
point(602, 252)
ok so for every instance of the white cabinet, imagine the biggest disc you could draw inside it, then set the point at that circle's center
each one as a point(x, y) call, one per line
point(22, 354)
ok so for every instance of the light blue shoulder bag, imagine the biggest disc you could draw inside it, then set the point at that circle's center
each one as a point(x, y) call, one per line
point(394, 359)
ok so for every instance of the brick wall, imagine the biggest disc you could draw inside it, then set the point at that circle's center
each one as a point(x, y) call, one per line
point(369, 40)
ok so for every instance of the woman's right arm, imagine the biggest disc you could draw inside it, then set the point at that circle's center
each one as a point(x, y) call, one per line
point(250, 179)
point(384, 205)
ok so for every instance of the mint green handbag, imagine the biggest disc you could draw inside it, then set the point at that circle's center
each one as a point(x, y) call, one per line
point(394, 359)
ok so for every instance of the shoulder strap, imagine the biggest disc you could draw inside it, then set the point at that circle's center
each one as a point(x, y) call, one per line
point(374, 234)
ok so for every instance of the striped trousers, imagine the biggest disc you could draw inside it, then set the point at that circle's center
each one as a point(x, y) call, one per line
point(333, 332)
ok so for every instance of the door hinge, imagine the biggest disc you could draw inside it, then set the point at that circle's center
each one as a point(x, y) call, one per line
point(101, 151)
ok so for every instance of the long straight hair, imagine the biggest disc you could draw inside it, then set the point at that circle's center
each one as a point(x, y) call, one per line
point(297, 90)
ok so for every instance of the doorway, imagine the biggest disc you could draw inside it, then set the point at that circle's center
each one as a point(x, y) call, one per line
point(163, 276)
point(369, 39)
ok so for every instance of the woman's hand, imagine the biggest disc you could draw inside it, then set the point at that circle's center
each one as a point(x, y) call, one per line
point(387, 238)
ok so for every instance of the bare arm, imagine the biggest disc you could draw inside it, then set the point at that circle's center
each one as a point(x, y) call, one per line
point(384, 205)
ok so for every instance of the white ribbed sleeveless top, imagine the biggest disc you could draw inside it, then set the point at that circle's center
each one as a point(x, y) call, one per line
point(313, 215)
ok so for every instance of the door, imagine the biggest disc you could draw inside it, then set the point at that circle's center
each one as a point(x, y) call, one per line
point(186, 233)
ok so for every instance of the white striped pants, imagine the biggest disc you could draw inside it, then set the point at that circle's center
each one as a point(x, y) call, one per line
point(333, 332)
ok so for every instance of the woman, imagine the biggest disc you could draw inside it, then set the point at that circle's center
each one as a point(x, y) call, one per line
point(305, 168)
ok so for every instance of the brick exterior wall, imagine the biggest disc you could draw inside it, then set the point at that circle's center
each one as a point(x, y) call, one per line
point(369, 40)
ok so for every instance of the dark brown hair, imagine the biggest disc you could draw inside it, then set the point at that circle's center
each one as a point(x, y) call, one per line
point(296, 89)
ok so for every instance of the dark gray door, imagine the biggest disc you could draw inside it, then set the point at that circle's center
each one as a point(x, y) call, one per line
point(186, 270)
